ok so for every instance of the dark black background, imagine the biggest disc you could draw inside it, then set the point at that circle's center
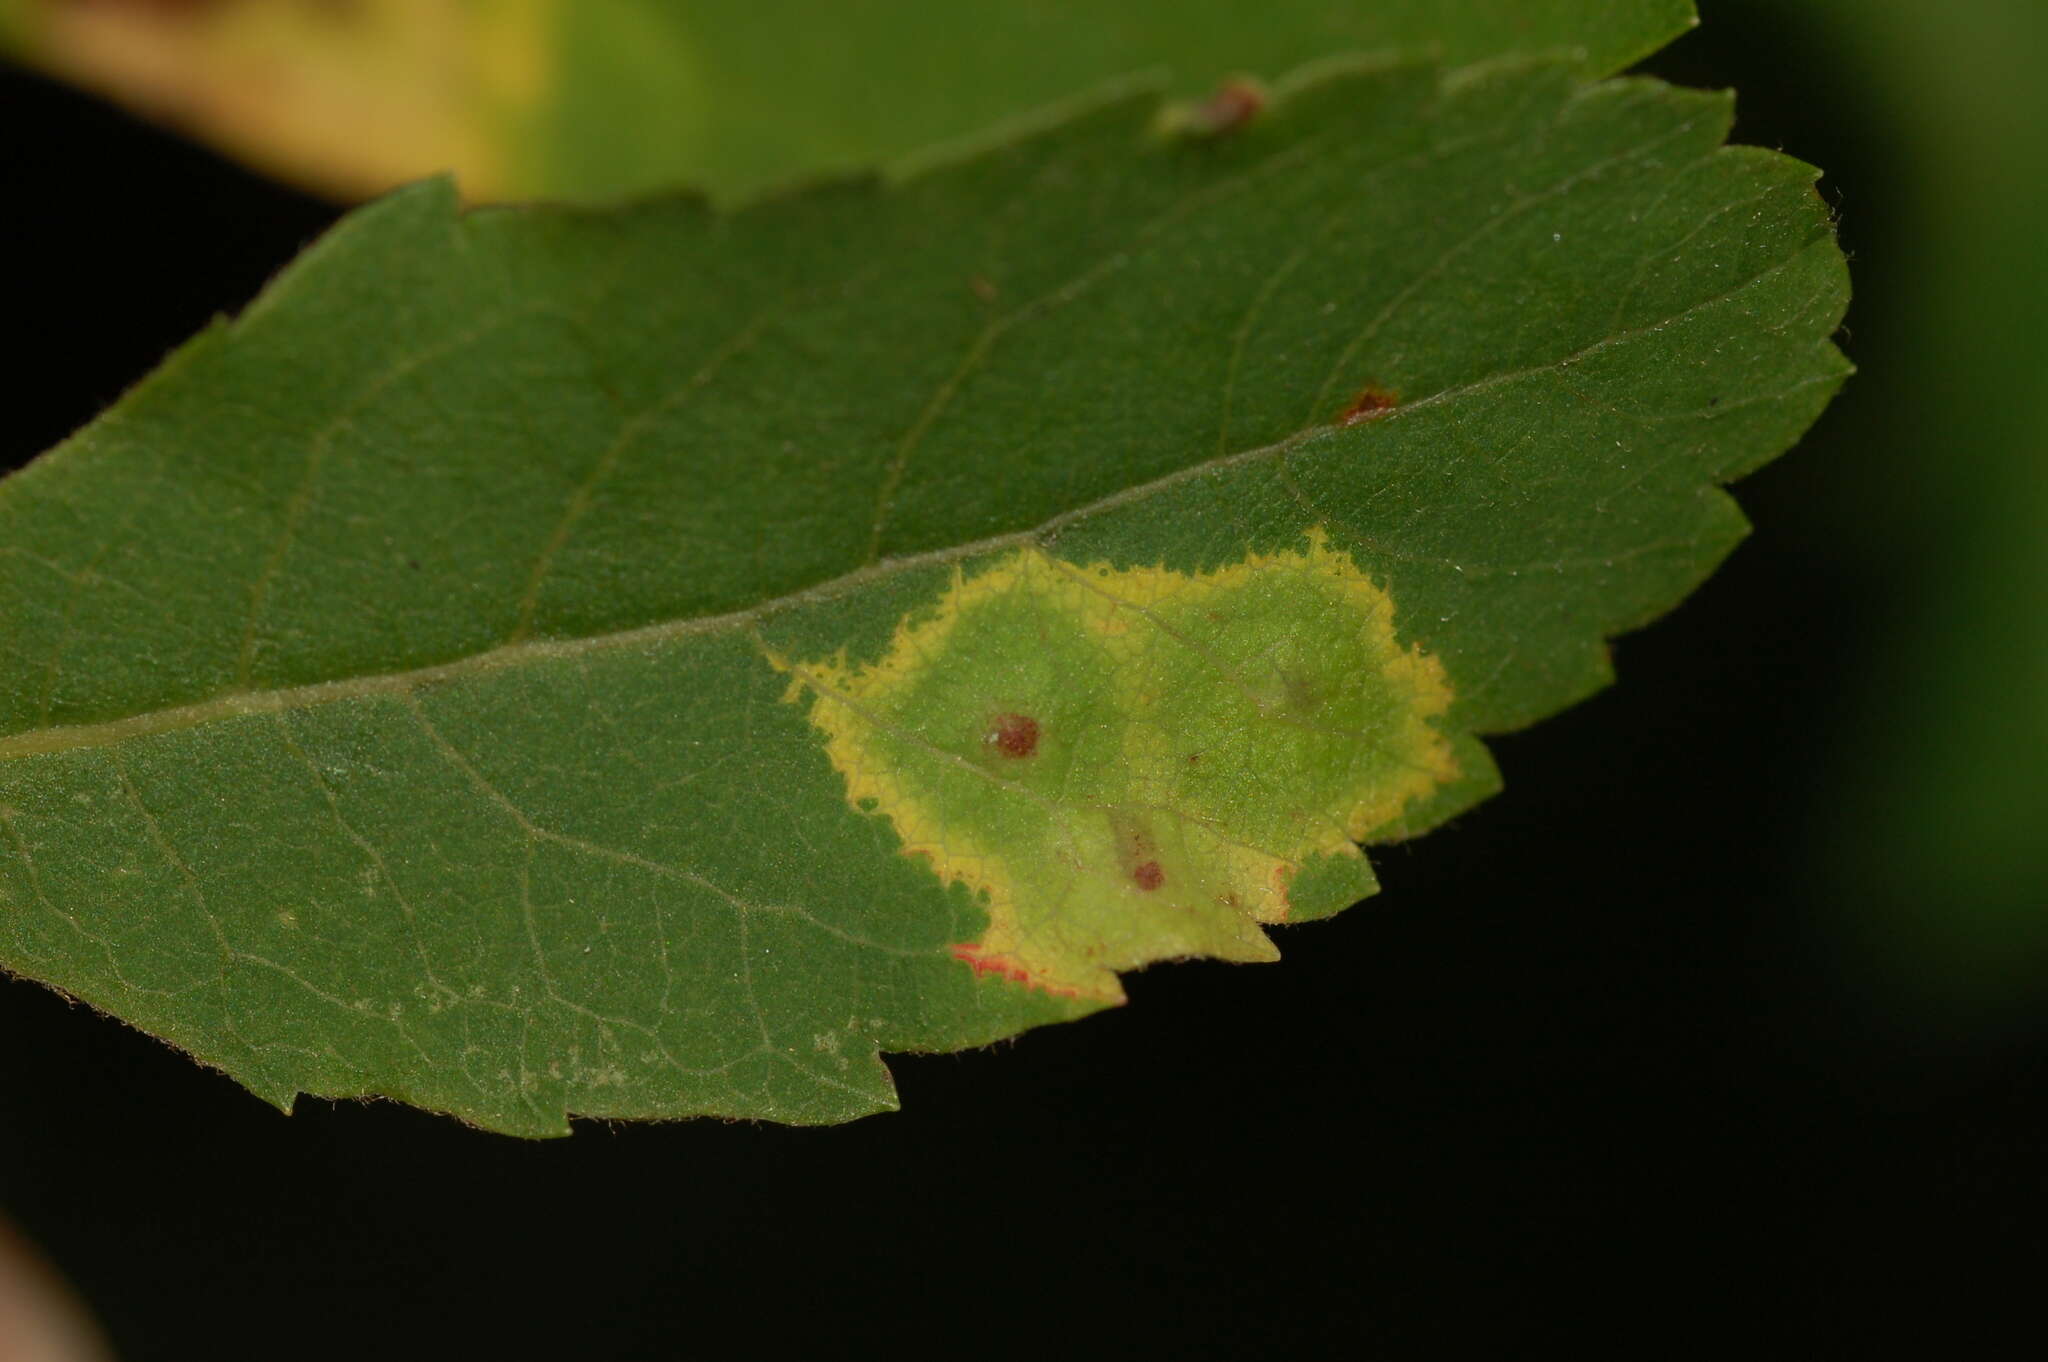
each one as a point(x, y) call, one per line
point(1588, 1070)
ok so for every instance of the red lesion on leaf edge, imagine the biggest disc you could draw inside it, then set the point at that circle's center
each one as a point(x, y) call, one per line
point(971, 955)
point(1281, 875)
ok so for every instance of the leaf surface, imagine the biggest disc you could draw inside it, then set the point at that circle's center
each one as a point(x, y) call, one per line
point(549, 98)
point(506, 669)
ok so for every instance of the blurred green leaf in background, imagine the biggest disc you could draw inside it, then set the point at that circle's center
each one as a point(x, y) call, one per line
point(1937, 874)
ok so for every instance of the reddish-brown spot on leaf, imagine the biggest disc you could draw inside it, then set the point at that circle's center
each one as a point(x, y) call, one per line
point(1235, 103)
point(1371, 401)
point(1013, 735)
point(1149, 876)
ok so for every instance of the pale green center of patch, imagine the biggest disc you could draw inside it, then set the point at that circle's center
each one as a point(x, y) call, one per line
point(1127, 765)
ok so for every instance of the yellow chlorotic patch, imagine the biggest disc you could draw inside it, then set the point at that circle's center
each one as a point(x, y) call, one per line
point(1127, 765)
point(350, 99)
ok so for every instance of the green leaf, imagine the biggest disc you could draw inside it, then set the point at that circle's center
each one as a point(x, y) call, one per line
point(506, 668)
point(536, 98)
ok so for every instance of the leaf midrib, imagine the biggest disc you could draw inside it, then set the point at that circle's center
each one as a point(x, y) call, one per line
point(236, 704)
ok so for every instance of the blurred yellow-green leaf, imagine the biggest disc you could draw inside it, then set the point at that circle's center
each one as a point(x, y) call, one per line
point(545, 98)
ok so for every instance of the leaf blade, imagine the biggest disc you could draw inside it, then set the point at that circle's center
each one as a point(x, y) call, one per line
point(600, 807)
